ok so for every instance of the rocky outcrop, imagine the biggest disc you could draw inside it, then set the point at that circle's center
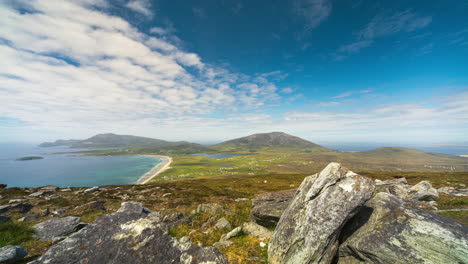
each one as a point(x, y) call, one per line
point(423, 191)
point(12, 254)
point(57, 227)
point(267, 208)
point(398, 187)
point(131, 235)
point(452, 191)
point(387, 230)
point(308, 229)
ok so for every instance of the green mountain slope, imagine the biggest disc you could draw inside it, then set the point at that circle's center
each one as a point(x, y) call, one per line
point(269, 141)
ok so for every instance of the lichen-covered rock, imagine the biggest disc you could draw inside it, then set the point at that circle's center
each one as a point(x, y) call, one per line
point(267, 208)
point(389, 231)
point(423, 191)
point(222, 223)
point(308, 229)
point(257, 230)
point(57, 227)
point(11, 254)
point(398, 187)
point(131, 235)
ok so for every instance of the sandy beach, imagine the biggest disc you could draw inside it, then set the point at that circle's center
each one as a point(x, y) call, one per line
point(164, 165)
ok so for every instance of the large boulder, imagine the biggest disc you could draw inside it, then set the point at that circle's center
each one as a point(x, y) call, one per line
point(12, 254)
point(131, 235)
point(423, 191)
point(398, 187)
point(267, 208)
point(308, 229)
point(57, 227)
point(387, 230)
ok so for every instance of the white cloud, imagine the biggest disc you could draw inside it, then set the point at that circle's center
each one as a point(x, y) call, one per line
point(314, 12)
point(140, 6)
point(349, 93)
point(199, 12)
point(68, 66)
point(380, 26)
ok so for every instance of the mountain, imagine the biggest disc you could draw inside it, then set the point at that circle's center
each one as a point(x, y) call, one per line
point(110, 140)
point(60, 142)
point(270, 140)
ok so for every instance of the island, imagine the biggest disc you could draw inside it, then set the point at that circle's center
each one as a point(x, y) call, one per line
point(29, 158)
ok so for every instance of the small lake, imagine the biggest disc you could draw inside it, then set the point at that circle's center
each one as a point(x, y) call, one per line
point(220, 156)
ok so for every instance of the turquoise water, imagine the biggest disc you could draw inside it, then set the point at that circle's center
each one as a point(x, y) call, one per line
point(67, 169)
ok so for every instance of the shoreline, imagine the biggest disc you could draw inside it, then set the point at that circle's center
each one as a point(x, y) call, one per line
point(156, 170)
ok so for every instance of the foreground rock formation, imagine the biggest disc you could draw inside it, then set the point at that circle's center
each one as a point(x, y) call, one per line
point(308, 230)
point(267, 208)
point(387, 230)
point(131, 235)
point(332, 220)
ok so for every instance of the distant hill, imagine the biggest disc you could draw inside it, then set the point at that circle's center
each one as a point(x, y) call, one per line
point(110, 140)
point(271, 140)
point(60, 142)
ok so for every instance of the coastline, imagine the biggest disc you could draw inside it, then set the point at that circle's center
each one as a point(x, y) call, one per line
point(164, 165)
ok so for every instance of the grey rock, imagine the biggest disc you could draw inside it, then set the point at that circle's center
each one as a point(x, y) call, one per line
point(92, 190)
point(222, 224)
point(452, 191)
point(11, 254)
point(37, 194)
point(66, 190)
point(56, 227)
point(388, 230)
point(59, 211)
point(21, 207)
point(51, 188)
point(4, 219)
point(423, 191)
point(29, 218)
point(131, 235)
point(223, 243)
point(308, 229)
point(460, 192)
point(4, 208)
point(267, 208)
point(257, 230)
point(170, 218)
point(446, 190)
point(94, 205)
point(208, 222)
point(12, 201)
point(241, 200)
point(45, 212)
point(398, 187)
point(233, 233)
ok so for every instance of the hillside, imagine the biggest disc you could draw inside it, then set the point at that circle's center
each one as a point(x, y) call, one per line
point(269, 140)
point(110, 140)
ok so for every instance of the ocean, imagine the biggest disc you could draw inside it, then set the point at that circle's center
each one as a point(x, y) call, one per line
point(68, 170)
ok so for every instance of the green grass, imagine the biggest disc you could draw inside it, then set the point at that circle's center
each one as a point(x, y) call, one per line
point(15, 233)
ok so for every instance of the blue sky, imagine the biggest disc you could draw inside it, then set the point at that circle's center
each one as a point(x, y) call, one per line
point(205, 71)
